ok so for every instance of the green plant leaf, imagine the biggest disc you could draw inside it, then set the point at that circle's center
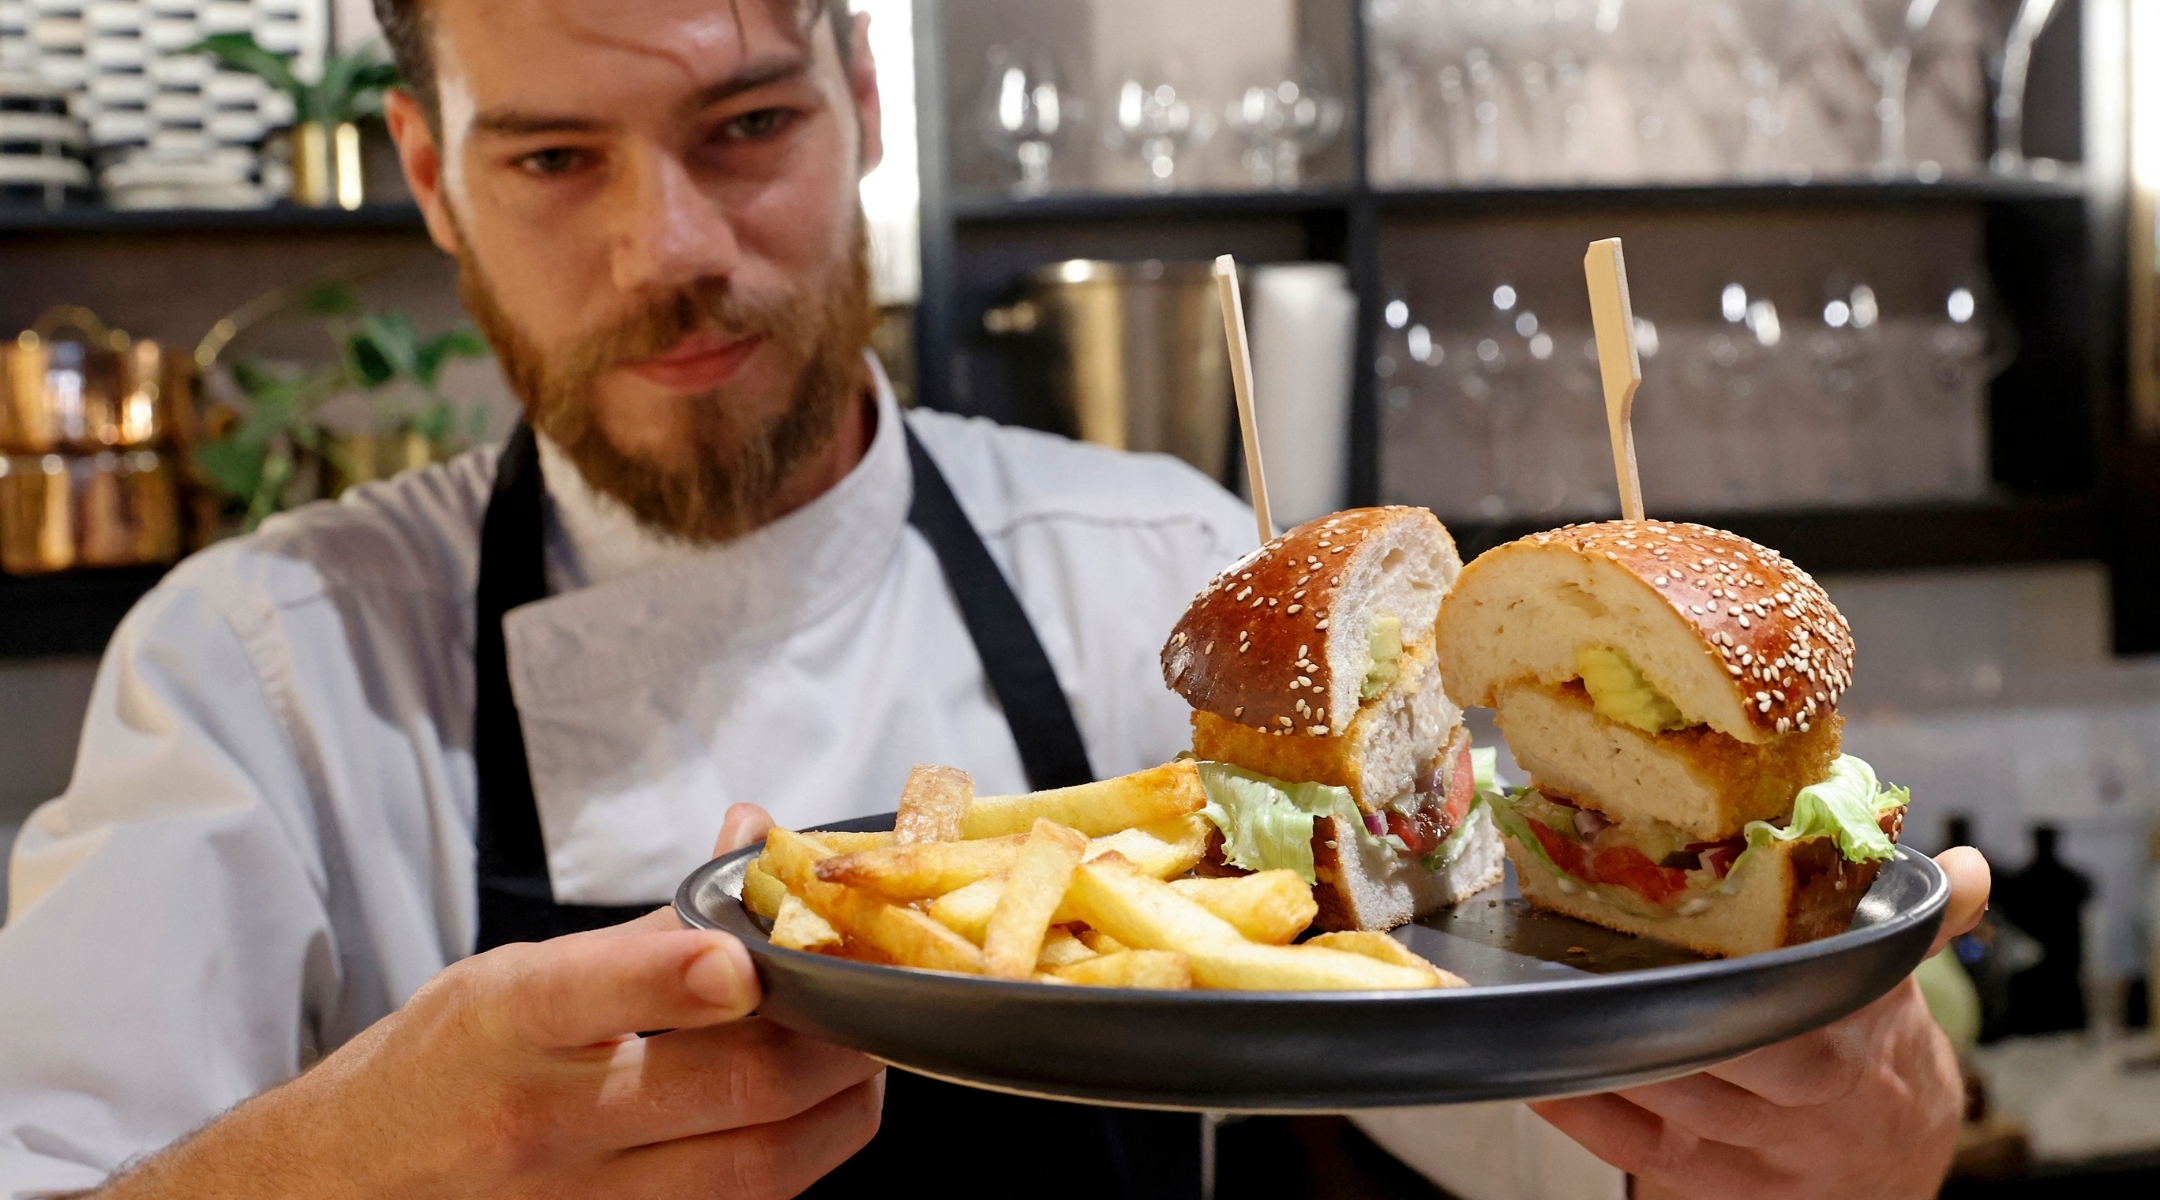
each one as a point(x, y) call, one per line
point(370, 365)
point(239, 51)
point(251, 377)
point(351, 86)
point(435, 422)
point(231, 466)
point(433, 353)
point(332, 300)
point(393, 335)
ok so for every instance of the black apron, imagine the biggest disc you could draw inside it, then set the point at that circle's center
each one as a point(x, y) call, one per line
point(962, 1141)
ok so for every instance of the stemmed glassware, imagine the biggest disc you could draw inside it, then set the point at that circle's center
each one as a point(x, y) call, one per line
point(1026, 114)
point(1884, 34)
point(1284, 116)
point(1156, 117)
point(2009, 58)
point(1770, 41)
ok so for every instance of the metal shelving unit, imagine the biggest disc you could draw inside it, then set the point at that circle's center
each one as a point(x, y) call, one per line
point(2053, 246)
point(282, 218)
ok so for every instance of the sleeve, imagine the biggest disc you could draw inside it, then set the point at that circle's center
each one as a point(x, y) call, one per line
point(167, 945)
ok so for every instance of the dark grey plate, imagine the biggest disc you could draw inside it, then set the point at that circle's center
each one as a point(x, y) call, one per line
point(1556, 1007)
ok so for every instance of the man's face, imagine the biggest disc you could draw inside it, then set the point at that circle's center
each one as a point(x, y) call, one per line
point(655, 214)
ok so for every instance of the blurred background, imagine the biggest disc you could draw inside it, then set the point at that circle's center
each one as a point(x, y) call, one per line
point(1892, 261)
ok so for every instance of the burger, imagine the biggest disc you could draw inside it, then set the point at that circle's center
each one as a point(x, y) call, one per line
point(1327, 744)
point(1672, 691)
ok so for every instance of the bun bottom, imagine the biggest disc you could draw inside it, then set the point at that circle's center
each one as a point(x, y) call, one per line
point(1371, 887)
point(1789, 893)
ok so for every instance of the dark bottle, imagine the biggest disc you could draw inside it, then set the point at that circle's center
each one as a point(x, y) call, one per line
point(2047, 900)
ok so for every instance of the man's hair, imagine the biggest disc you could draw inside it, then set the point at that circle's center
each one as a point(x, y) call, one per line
point(405, 28)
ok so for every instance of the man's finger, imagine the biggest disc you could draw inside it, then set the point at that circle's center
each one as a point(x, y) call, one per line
point(1819, 1067)
point(583, 991)
point(1639, 1142)
point(745, 824)
point(750, 1072)
point(775, 1160)
point(1970, 880)
point(1714, 1109)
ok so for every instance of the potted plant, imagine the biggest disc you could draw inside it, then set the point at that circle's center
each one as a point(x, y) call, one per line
point(326, 135)
point(274, 449)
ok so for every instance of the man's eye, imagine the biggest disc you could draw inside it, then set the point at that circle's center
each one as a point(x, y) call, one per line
point(750, 126)
point(552, 161)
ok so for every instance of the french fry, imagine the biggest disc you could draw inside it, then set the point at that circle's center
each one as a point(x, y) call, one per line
point(1131, 969)
point(1147, 914)
point(1061, 949)
point(797, 928)
point(966, 911)
point(853, 843)
point(761, 893)
point(1095, 809)
point(933, 805)
point(1100, 942)
point(904, 935)
point(1267, 906)
point(1373, 944)
point(1165, 849)
point(920, 870)
point(1033, 889)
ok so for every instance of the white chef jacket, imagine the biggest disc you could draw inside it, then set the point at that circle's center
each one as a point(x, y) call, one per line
point(267, 844)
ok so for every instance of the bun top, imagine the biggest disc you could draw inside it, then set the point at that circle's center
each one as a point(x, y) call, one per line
point(1282, 640)
point(1731, 632)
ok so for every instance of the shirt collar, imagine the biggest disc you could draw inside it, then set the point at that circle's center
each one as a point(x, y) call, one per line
point(686, 602)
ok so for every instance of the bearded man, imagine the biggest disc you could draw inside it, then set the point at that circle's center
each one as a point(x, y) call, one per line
point(357, 889)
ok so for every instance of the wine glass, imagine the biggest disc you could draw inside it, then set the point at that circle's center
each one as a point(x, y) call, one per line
point(1025, 114)
point(1156, 117)
point(1283, 116)
point(1770, 41)
point(1884, 33)
point(1653, 38)
point(2009, 59)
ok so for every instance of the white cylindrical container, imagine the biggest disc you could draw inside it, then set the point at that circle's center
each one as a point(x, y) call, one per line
point(1303, 323)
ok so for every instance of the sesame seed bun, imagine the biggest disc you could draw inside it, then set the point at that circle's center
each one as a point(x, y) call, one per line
point(1281, 641)
point(1732, 633)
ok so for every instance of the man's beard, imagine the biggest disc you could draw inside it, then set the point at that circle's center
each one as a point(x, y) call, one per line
point(738, 467)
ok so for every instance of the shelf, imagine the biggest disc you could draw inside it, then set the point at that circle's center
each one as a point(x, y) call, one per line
point(1099, 206)
point(1837, 192)
point(73, 613)
point(1833, 540)
point(279, 219)
point(981, 209)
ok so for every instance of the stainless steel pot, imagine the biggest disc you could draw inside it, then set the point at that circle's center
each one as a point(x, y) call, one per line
point(69, 383)
point(111, 509)
point(1140, 361)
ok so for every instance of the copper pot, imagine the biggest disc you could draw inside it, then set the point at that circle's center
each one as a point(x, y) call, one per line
point(111, 509)
point(69, 383)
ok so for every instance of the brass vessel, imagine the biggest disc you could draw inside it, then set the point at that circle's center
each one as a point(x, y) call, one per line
point(70, 384)
point(111, 509)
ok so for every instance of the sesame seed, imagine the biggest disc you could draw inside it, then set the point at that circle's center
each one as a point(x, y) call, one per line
point(1743, 621)
point(1246, 592)
point(1302, 651)
point(1243, 647)
point(1210, 648)
point(1322, 624)
point(1239, 711)
point(1319, 731)
point(1286, 721)
point(1293, 609)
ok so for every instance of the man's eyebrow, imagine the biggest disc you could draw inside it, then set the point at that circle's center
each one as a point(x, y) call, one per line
point(771, 69)
point(778, 68)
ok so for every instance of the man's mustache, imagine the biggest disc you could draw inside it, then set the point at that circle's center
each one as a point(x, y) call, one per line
point(662, 322)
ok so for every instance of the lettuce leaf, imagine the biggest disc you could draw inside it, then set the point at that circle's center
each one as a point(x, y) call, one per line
point(1848, 806)
point(1267, 824)
point(1485, 769)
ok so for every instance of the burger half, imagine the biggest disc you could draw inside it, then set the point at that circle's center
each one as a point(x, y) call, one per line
point(1672, 691)
point(1327, 743)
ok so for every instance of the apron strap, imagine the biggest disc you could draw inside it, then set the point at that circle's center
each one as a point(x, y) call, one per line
point(1026, 685)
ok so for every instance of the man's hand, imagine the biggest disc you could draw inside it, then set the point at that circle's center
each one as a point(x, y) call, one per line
point(519, 1072)
point(1863, 1109)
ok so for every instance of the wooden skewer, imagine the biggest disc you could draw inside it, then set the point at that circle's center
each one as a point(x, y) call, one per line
point(1233, 315)
point(1620, 367)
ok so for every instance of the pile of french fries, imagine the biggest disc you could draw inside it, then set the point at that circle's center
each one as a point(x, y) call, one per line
point(1084, 885)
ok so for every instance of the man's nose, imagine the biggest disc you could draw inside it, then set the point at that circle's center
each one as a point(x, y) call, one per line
point(672, 233)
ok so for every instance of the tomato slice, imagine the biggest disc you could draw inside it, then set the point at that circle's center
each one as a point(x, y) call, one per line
point(1627, 867)
point(1461, 787)
point(1566, 852)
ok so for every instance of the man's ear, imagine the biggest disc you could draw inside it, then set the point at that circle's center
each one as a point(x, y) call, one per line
point(862, 81)
point(422, 160)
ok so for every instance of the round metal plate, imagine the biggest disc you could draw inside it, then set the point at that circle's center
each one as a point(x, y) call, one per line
point(1556, 1007)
